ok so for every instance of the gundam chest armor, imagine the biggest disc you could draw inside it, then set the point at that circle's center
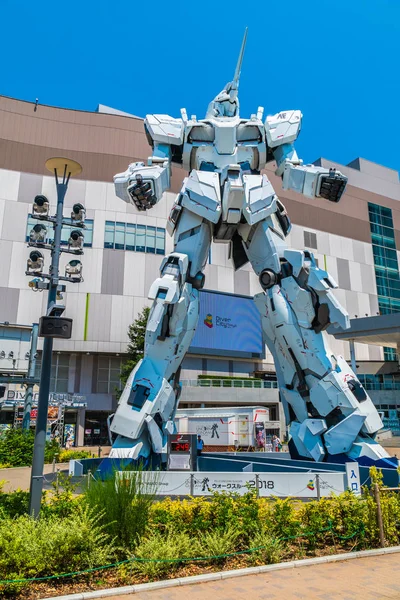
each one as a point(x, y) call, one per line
point(226, 198)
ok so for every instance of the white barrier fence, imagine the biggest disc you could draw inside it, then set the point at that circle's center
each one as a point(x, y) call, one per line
point(299, 485)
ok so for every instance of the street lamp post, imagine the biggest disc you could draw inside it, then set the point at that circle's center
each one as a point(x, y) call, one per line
point(26, 420)
point(52, 325)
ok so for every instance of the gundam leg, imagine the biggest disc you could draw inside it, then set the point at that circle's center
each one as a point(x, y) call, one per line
point(146, 410)
point(330, 416)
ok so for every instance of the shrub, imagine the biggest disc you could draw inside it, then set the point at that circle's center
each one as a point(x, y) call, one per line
point(217, 543)
point(13, 504)
point(159, 547)
point(66, 455)
point(270, 549)
point(223, 511)
point(124, 504)
point(48, 546)
point(16, 448)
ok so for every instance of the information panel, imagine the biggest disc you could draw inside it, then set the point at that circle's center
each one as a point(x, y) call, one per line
point(228, 323)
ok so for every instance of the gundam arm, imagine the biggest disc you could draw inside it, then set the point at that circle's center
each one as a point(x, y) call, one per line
point(282, 130)
point(143, 185)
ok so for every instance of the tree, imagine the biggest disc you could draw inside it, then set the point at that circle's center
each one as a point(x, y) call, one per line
point(136, 334)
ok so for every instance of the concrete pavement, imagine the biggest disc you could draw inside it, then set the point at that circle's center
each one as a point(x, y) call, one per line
point(369, 578)
point(19, 477)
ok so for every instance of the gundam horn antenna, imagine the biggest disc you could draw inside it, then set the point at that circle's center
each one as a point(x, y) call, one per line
point(236, 77)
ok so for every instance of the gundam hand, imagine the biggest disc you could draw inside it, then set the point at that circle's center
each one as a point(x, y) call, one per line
point(141, 193)
point(332, 185)
point(142, 186)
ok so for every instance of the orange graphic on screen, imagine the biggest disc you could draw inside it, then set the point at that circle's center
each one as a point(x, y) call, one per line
point(208, 322)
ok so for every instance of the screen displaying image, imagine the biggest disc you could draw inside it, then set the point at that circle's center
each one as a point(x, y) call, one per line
point(228, 323)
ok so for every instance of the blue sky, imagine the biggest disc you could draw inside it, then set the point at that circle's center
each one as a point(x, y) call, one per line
point(336, 61)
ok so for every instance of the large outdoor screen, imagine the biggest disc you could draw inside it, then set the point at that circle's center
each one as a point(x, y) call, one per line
point(228, 324)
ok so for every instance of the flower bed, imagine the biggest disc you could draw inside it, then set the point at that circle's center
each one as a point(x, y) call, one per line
point(117, 535)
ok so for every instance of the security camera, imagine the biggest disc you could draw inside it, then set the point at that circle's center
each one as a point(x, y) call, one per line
point(38, 233)
point(76, 239)
point(35, 262)
point(2, 354)
point(11, 355)
point(73, 269)
point(78, 213)
point(41, 205)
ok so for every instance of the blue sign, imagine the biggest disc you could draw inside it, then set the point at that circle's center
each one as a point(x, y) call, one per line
point(228, 323)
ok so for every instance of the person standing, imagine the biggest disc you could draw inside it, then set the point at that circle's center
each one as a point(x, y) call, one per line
point(200, 445)
point(276, 443)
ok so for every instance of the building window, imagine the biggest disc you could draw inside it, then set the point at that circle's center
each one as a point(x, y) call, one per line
point(108, 374)
point(65, 233)
point(385, 258)
point(59, 372)
point(310, 240)
point(138, 238)
point(390, 353)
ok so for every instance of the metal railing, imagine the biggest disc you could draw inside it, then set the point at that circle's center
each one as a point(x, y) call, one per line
point(230, 383)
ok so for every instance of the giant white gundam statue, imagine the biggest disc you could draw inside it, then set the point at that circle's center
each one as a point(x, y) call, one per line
point(227, 199)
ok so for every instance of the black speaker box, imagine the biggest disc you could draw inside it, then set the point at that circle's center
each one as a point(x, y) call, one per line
point(55, 327)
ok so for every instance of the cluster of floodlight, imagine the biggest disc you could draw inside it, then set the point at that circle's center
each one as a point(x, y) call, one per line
point(38, 237)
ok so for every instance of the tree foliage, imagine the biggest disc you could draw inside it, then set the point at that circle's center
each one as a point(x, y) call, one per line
point(16, 448)
point(136, 334)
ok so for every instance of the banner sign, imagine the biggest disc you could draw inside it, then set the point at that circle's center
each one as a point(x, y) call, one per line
point(298, 485)
point(353, 478)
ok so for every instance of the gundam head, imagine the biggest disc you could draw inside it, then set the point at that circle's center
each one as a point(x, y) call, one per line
point(226, 103)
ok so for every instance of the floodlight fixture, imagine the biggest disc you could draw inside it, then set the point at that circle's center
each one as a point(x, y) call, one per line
point(41, 205)
point(78, 213)
point(35, 262)
point(76, 239)
point(73, 269)
point(38, 234)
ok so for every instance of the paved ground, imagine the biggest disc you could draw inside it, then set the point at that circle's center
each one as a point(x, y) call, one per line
point(372, 578)
point(19, 478)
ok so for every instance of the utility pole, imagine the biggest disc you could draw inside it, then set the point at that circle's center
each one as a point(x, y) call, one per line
point(26, 421)
point(52, 325)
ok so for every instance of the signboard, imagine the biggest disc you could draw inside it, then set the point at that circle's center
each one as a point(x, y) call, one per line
point(298, 485)
point(259, 433)
point(228, 323)
point(353, 478)
point(213, 430)
point(52, 414)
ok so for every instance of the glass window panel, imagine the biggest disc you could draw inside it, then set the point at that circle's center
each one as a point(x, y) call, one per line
point(102, 387)
point(61, 386)
point(140, 238)
point(115, 362)
point(62, 372)
point(151, 240)
point(130, 236)
point(119, 236)
point(387, 222)
point(88, 233)
point(103, 375)
point(385, 212)
point(65, 234)
point(63, 359)
point(160, 241)
point(29, 226)
point(103, 362)
point(109, 234)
